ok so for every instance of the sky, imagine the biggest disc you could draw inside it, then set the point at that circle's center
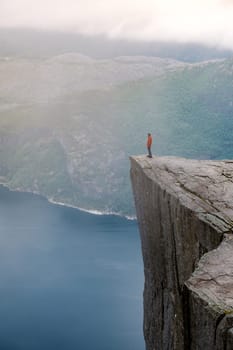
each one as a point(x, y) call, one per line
point(207, 22)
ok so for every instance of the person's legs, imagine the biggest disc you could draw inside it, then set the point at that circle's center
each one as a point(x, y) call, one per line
point(149, 152)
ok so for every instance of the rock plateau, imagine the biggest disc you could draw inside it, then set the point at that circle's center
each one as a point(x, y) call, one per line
point(185, 215)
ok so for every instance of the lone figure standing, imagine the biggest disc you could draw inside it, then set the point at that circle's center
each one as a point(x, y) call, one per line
point(149, 144)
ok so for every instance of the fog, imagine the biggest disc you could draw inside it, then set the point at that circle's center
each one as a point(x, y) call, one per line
point(182, 21)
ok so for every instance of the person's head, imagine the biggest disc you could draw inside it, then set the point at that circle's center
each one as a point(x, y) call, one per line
point(149, 134)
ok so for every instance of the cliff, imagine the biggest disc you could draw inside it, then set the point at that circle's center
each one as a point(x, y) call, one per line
point(185, 215)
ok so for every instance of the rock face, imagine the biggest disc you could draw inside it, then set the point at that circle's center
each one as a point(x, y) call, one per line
point(185, 215)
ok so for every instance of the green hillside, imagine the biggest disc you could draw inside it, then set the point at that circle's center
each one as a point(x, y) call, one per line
point(73, 147)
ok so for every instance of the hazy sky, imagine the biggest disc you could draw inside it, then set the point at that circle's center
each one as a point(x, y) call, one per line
point(201, 21)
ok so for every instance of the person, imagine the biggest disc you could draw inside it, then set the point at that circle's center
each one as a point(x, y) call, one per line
point(149, 144)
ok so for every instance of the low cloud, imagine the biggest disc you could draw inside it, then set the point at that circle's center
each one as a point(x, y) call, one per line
point(208, 22)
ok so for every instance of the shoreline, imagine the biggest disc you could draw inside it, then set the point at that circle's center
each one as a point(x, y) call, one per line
point(54, 202)
point(91, 211)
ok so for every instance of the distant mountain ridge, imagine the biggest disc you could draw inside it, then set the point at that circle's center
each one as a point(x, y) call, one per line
point(68, 123)
point(39, 80)
point(22, 42)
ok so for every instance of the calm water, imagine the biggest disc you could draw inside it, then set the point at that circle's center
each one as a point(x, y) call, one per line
point(69, 280)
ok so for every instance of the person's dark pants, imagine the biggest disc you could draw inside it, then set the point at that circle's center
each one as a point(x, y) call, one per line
point(149, 152)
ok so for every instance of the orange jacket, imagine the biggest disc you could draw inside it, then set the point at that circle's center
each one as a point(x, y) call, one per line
point(149, 141)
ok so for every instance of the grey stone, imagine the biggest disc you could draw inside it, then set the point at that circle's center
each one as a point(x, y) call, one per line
point(185, 215)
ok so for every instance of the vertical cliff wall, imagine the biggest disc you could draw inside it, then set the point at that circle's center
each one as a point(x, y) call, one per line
point(185, 215)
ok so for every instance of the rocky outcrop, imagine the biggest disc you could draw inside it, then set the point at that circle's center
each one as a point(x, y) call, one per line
point(185, 215)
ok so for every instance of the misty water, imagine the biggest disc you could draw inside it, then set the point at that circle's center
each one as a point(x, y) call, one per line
point(69, 280)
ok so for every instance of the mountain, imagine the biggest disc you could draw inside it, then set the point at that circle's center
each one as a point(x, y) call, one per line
point(25, 42)
point(68, 123)
point(50, 80)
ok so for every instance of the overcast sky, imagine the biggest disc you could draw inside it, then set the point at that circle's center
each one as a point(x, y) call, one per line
point(202, 21)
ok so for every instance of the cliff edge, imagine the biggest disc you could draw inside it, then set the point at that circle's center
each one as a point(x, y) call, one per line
point(185, 215)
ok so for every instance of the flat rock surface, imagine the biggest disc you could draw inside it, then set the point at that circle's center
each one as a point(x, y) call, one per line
point(205, 186)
